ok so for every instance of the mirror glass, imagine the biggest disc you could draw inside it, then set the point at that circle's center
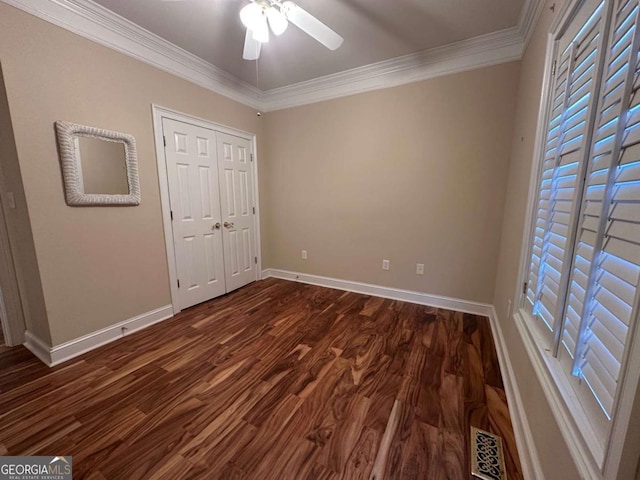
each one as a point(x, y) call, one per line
point(102, 166)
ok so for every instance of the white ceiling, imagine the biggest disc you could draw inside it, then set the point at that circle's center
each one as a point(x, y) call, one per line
point(374, 30)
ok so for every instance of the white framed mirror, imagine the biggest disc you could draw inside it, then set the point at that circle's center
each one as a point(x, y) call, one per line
point(99, 167)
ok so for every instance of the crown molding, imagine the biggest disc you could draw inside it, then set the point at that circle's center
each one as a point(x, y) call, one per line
point(529, 19)
point(94, 22)
point(483, 51)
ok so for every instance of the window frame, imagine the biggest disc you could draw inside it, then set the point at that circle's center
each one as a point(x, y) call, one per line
point(593, 459)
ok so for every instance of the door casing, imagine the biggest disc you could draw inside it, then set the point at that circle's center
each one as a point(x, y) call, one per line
point(158, 114)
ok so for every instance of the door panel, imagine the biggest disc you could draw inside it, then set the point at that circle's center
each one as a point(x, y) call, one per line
point(236, 196)
point(193, 191)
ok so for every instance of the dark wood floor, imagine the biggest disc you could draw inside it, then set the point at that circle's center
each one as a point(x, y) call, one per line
point(278, 380)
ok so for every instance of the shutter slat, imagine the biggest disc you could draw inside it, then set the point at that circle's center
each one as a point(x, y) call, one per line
point(624, 290)
point(627, 191)
point(630, 154)
point(600, 361)
point(627, 212)
point(613, 304)
point(593, 208)
point(630, 173)
point(609, 329)
point(624, 250)
point(622, 269)
point(581, 280)
point(624, 231)
point(595, 193)
point(599, 391)
point(584, 251)
point(624, 18)
point(631, 136)
point(591, 223)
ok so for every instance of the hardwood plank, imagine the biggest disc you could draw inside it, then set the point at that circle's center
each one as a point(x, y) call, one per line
point(400, 441)
point(423, 456)
point(255, 451)
point(345, 422)
point(174, 467)
point(361, 460)
point(380, 464)
point(278, 380)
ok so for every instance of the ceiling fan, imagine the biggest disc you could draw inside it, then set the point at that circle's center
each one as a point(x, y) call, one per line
point(261, 15)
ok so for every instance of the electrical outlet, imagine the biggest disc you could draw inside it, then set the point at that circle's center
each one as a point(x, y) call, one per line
point(304, 254)
point(385, 264)
point(419, 268)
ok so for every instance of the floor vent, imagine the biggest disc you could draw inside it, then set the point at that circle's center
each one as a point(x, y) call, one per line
point(487, 458)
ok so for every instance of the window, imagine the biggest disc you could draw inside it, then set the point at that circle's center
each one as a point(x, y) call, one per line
point(581, 295)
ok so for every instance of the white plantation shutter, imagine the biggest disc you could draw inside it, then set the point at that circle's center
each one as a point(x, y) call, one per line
point(583, 284)
point(606, 264)
point(577, 68)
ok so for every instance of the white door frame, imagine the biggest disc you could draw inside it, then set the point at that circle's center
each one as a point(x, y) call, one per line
point(158, 114)
point(11, 313)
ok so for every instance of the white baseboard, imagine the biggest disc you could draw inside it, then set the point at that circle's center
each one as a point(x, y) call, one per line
point(38, 347)
point(53, 356)
point(385, 292)
point(529, 459)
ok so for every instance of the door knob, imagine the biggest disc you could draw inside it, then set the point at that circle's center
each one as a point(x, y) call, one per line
point(228, 224)
point(216, 226)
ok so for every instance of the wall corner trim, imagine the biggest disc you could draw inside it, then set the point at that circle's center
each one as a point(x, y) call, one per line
point(529, 459)
point(529, 20)
point(38, 347)
point(53, 356)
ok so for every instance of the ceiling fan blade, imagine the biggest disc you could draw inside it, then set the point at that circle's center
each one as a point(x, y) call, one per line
point(251, 47)
point(312, 26)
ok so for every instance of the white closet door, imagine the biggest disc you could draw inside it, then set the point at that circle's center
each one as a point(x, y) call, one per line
point(237, 204)
point(193, 190)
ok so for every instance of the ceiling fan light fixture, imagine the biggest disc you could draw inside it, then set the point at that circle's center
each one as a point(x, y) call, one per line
point(261, 15)
point(287, 8)
point(277, 21)
point(251, 15)
point(260, 30)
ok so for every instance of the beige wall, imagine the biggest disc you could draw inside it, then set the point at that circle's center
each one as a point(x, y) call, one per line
point(413, 174)
point(554, 455)
point(98, 266)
